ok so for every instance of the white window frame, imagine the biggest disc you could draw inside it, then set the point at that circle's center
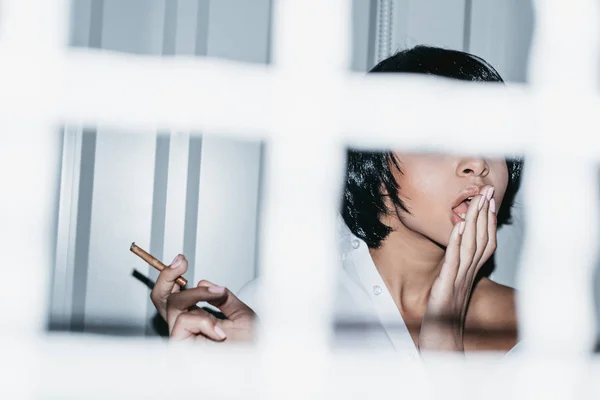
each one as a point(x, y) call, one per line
point(292, 356)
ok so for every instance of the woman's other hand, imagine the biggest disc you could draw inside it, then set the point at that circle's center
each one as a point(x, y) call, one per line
point(471, 244)
point(189, 322)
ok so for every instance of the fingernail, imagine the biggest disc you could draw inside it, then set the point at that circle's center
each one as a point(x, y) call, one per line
point(220, 332)
point(177, 261)
point(490, 193)
point(216, 289)
point(493, 205)
point(463, 215)
point(461, 228)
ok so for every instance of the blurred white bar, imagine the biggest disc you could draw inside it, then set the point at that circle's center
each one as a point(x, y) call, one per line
point(30, 174)
point(33, 39)
point(556, 303)
point(142, 97)
point(223, 88)
point(412, 112)
point(561, 187)
point(30, 164)
point(185, 94)
point(70, 366)
point(564, 54)
point(34, 28)
point(303, 183)
point(30, 158)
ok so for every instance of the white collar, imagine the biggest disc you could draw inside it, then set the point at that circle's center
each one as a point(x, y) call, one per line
point(360, 268)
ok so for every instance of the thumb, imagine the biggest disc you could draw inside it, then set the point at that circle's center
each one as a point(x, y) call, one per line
point(229, 304)
point(165, 284)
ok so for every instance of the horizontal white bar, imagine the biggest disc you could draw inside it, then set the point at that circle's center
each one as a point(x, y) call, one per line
point(417, 112)
point(195, 94)
point(183, 94)
point(98, 367)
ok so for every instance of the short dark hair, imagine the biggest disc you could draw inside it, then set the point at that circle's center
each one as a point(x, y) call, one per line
point(368, 171)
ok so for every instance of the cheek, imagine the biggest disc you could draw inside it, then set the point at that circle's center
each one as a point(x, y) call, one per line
point(500, 182)
point(428, 215)
point(421, 194)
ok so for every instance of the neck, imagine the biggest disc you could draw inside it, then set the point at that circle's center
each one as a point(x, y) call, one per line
point(409, 263)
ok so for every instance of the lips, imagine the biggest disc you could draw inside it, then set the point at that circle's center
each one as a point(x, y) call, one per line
point(462, 207)
point(461, 204)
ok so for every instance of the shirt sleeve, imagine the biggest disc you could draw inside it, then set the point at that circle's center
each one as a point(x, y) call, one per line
point(249, 295)
point(515, 350)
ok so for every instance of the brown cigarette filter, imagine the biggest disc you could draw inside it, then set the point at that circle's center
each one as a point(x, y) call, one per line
point(153, 261)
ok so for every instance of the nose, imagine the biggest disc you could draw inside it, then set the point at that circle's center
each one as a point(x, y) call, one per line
point(473, 166)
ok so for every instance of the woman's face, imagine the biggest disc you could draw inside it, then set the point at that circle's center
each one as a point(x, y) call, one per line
point(433, 187)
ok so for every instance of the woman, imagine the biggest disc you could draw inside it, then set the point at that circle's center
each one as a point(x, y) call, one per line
point(416, 230)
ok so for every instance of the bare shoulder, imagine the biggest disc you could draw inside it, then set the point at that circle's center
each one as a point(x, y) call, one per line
point(493, 304)
point(492, 317)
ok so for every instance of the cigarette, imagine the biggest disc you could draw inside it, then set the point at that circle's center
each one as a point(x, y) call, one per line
point(144, 255)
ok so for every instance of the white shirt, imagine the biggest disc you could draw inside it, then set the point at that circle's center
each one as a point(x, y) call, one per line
point(366, 315)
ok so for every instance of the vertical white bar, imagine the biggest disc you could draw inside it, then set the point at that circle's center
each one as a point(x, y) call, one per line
point(176, 195)
point(30, 165)
point(34, 27)
point(32, 38)
point(561, 31)
point(555, 305)
point(562, 220)
point(302, 193)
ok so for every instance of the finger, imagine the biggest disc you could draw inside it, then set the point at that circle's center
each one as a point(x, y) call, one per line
point(165, 284)
point(197, 322)
point(452, 256)
point(443, 284)
point(180, 302)
point(482, 227)
point(469, 239)
point(492, 233)
point(230, 305)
